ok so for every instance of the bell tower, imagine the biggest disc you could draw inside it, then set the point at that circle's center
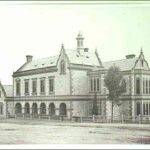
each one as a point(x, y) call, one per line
point(79, 39)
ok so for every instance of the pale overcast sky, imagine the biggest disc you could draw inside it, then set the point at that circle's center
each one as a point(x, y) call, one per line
point(39, 30)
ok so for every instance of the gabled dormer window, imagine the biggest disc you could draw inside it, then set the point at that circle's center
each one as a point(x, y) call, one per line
point(62, 67)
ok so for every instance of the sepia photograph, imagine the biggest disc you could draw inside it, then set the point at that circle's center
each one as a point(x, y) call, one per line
point(75, 73)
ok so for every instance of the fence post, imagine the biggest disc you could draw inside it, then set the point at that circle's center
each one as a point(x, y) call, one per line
point(81, 119)
point(122, 118)
point(93, 118)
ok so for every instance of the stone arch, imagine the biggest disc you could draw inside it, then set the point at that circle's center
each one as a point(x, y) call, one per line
point(42, 108)
point(52, 109)
point(62, 109)
point(18, 108)
point(27, 108)
point(34, 108)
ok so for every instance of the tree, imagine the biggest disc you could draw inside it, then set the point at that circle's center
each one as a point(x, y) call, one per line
point(115, 84)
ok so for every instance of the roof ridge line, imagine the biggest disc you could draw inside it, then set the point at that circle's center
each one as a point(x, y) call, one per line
point(119, 60)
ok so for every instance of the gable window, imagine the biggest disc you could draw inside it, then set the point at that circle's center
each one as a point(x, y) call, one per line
point(142, 63)
point(26, 87)
point(34, 86)
point(51, 85)
point(42, 85)
point(62, 67)
point(137, 86)
point(18, 88)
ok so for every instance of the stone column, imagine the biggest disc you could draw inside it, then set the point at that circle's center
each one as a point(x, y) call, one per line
point(57, 111)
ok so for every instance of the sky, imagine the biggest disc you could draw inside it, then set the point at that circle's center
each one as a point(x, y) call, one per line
point(39, 29)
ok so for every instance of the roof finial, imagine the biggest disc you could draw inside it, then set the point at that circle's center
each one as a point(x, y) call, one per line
point(141, 49)
point(62, 46)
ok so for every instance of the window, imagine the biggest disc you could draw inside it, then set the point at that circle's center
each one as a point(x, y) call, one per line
point(142, 63)
point(42, 85)
point(146, 87)
point(26, 87)
point(137, 86)
point(143, 86)
point(97, 84)
point(91, 84)
point(145, 108)
point(62, 67)
point(18, 88)
point(51, 85)
point(1, 108)
point(149, 87)
point(94, 84)
point(34, 86)
point(138, 108)
point(0, 94)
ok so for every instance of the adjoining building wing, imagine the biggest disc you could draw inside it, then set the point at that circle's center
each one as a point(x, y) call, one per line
point(8, 90)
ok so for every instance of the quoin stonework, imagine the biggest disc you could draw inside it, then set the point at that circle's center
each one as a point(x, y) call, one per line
point(68, 84)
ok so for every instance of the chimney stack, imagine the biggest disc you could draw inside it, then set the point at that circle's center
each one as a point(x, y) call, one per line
point(29, 58)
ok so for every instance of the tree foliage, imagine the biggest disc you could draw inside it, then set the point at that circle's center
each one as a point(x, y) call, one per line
point(115, 84)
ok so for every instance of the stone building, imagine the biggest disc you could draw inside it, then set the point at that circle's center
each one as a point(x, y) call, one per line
point(6, 100)
point(69, 83)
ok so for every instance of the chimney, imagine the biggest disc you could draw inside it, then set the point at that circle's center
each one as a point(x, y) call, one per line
point(130, 56)
point(29, 58)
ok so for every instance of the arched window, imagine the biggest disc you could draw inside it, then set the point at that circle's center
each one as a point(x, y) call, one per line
point(18, 108)
point(62, 109)
point(62, 67)
point(27, 108)
point(42, 108)
point(52, 109)
point(34, 108)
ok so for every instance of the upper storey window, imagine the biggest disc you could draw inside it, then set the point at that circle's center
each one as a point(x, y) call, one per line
point(18, 87)
point(42, 85)
point(62, 67)
point(137, 86)
point(26, 87)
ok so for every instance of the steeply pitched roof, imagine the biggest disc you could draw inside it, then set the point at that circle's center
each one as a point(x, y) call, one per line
point(74, 57)
point(40, 63)
point(124, 64)
point(8, 90)
point(87, 58)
